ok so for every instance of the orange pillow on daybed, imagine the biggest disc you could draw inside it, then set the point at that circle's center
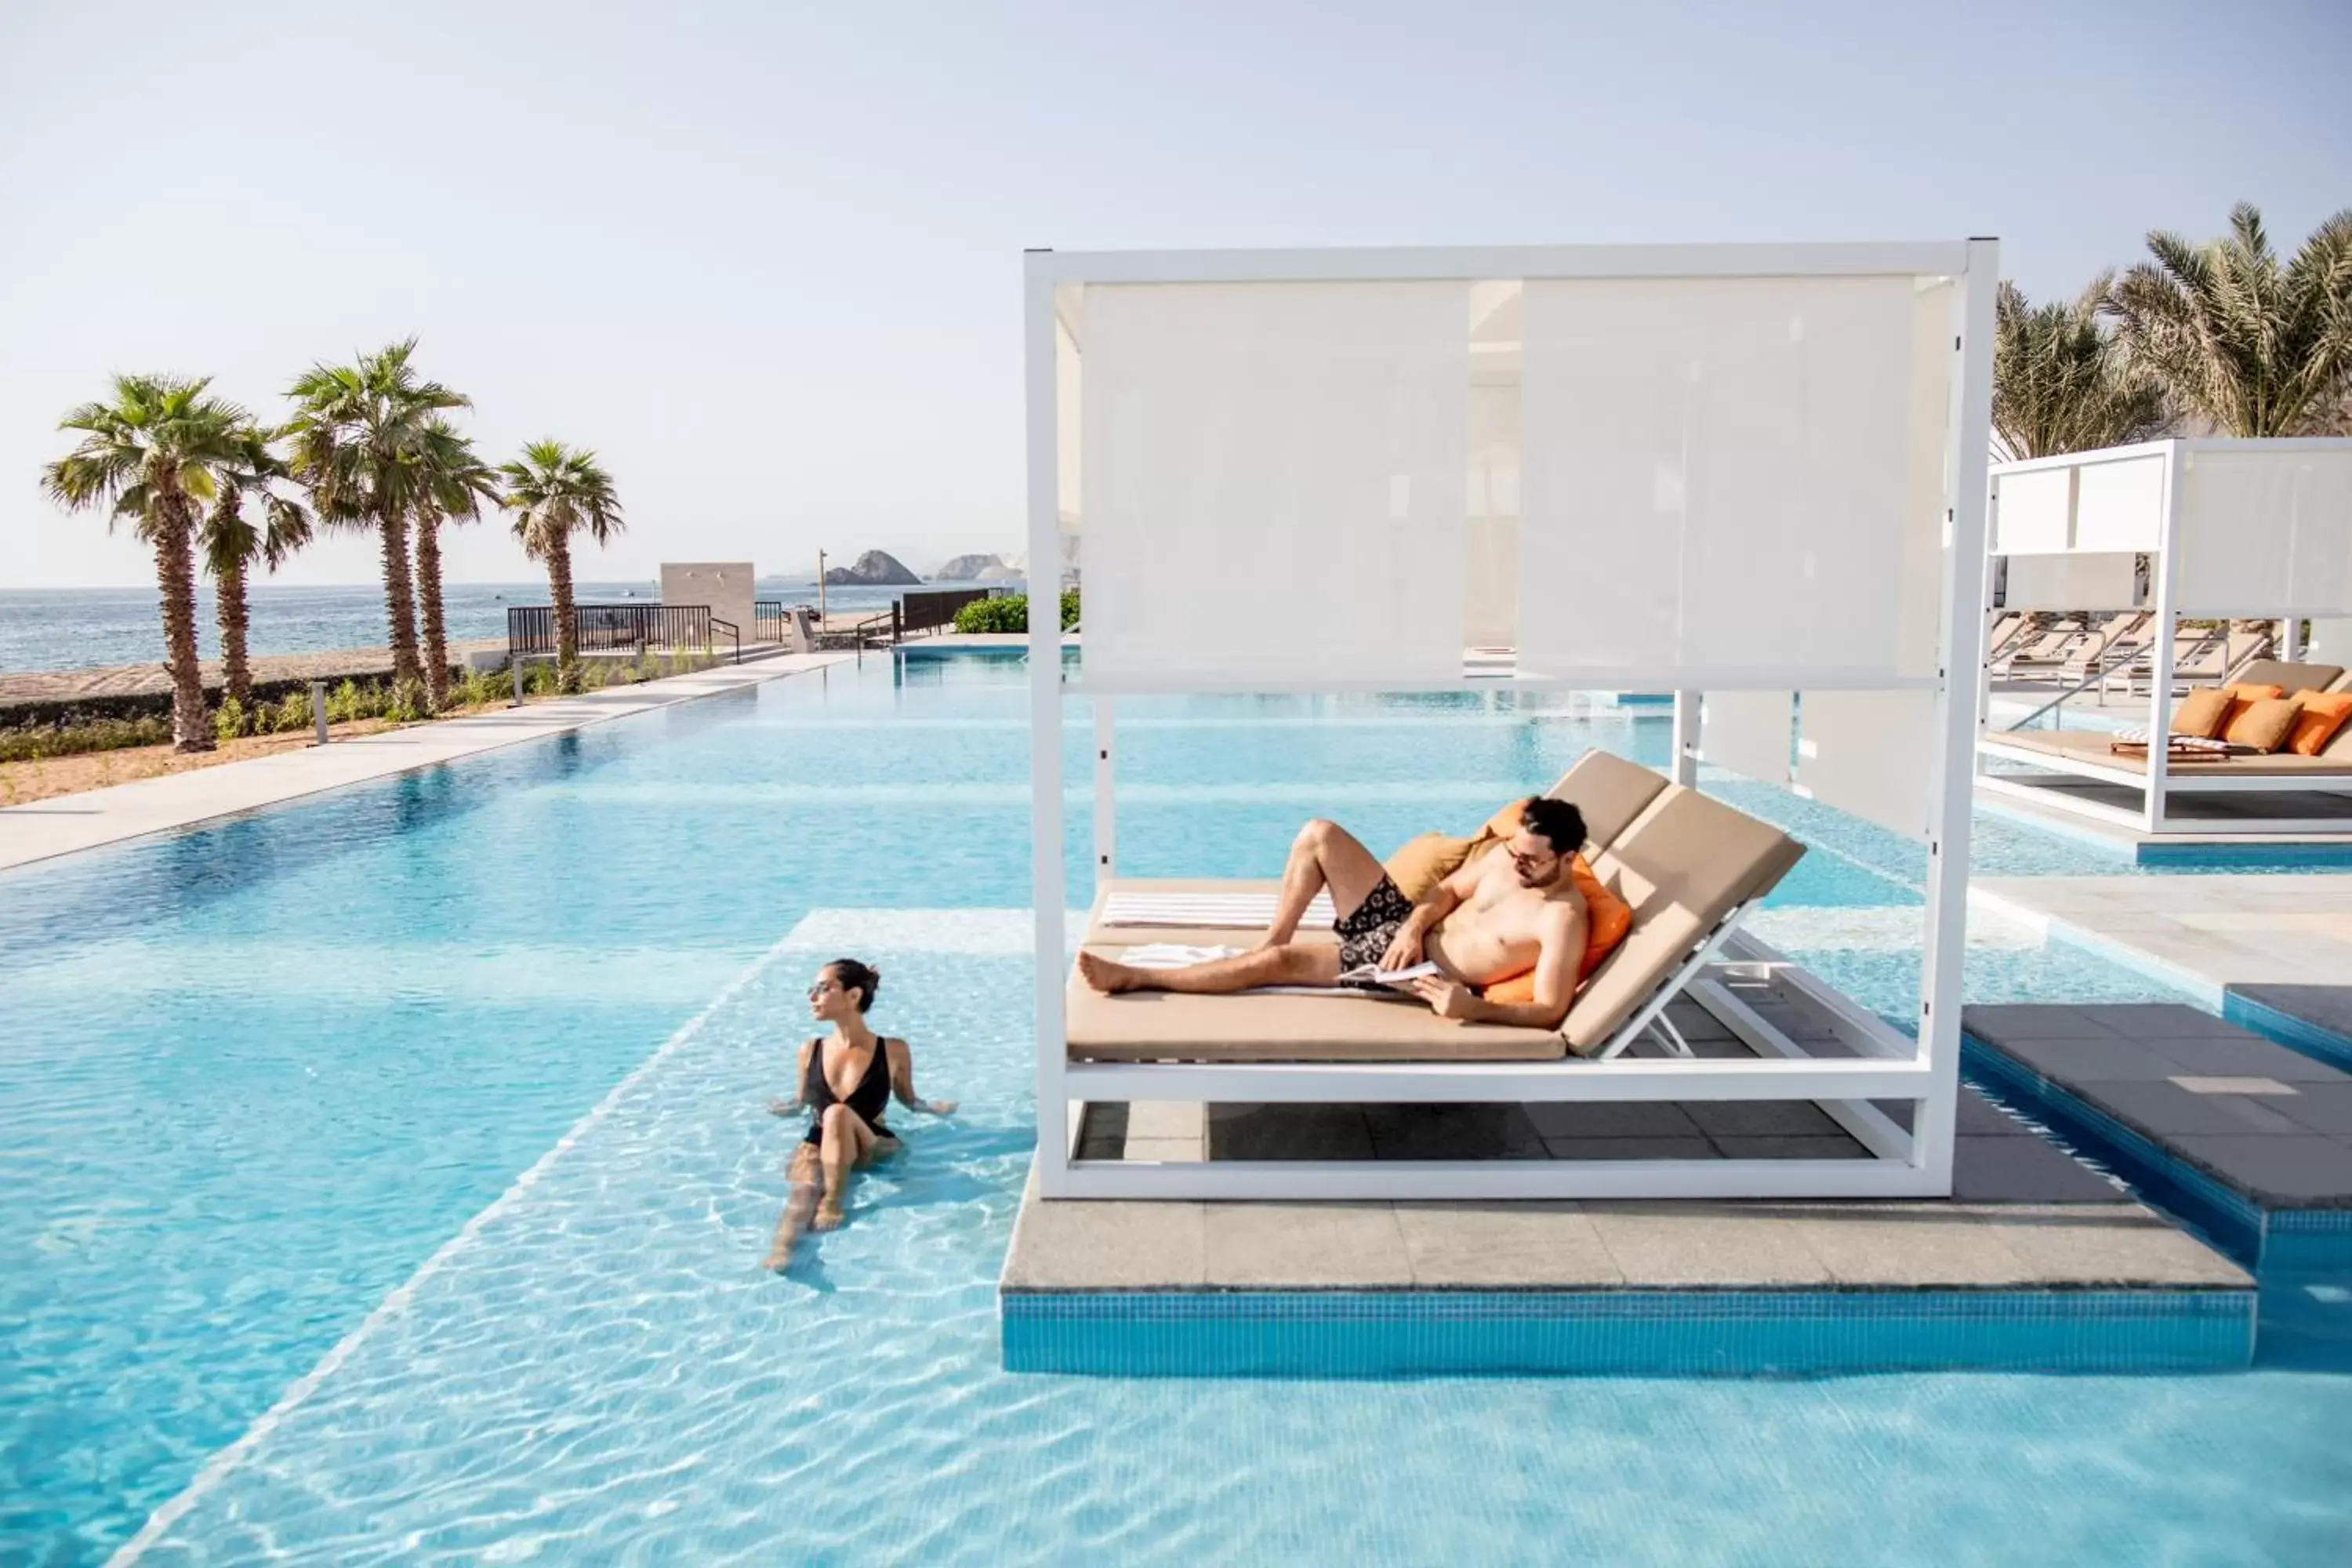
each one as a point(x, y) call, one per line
point(2323, 713)
point(1607, 919)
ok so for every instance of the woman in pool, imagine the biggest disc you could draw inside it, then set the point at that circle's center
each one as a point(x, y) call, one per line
point(846, 1077)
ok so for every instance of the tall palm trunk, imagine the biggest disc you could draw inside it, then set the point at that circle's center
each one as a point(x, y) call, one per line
point(234, 615)
point(428, 601)
point(175, 574)
point(400, 602)
point(567, 620)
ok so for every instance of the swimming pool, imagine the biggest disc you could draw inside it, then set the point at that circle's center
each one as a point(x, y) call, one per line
point(271, 1084)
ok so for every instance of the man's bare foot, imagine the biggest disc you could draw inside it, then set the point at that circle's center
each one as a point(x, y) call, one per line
point(828, 1215)
point(1105, 975)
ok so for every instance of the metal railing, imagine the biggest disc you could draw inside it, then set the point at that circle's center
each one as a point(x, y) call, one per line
point(768, 620)
point(721, 627)
point(936, 607)
point(611, 628)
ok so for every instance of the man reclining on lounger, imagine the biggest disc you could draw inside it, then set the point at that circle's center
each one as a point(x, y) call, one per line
point(1494, 917)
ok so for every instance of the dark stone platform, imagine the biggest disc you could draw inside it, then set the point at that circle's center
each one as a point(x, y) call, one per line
point(2242, 1137)
point(2313, 1019)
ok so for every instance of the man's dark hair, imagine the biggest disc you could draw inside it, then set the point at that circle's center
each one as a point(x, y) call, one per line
point(862, 978)
point(1556, 821)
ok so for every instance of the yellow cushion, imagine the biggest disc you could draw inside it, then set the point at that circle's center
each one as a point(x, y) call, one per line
point(1425, 862)
point(2322, 715)
point(2264, 724)
point(2201, 712)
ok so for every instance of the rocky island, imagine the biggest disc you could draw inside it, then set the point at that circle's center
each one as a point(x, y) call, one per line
point(875, 568)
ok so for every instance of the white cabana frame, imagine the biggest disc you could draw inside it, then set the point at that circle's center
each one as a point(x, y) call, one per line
point(2236, 529)
point(1889, 1065)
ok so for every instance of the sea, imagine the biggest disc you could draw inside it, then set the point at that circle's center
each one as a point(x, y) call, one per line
point(70, 628)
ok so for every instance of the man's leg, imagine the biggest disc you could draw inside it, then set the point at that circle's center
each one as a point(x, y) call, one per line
point(1324, 855)
point(1288, 966)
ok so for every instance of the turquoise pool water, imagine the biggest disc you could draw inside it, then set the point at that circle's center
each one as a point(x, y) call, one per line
point(270, 1087)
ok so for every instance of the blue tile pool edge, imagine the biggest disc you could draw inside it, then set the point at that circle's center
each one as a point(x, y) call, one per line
point(2296, 1034)
point(2267, 1242)
point(1619, 1333)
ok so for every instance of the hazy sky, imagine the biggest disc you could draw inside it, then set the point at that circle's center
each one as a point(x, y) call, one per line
point(765, 258)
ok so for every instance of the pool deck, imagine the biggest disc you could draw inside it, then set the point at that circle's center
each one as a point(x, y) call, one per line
point(68, 823)
point(2037, 1262)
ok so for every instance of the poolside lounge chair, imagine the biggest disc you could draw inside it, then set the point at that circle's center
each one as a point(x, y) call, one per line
point(1690, 867)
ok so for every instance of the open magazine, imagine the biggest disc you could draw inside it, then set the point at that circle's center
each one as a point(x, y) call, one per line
point(1374, 975)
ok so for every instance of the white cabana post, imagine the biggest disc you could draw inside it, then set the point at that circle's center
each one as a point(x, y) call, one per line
point(2234, 530)
point(1753, 476)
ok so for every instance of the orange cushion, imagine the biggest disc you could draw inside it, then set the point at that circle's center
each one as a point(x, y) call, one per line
point(1425, 862)
point(2323, 713)
point(2242, 695)
point(1607, 919)
point(2263, 725)
point(2201, 712)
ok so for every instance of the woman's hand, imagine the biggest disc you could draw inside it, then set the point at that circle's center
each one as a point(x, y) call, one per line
point(783, 1106)
point(942, 1108)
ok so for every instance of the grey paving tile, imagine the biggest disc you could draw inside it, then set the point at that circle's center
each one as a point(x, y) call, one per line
point(1833, 1145)
point(2156, 1020)
point(1077, 1245)
point(2309, 1170)
point(1760, 1118)
point(1503, 1245)
point(2024, 1169)
point(2009, 1021)
point(1178, 1150)
point(2120, 1244)
point(2318, 1107)
point(1979, 1117)
point(2242, 1054)
point(1704, 1244)
point(2106, 1059)
point(1288, 1132)
point(1921, 1245)
point(1694, 1147)
point(1453, 1132)
point(2166, 1108)
point(1610, 1119)
point(1305, 1245)
point(1165, 1119)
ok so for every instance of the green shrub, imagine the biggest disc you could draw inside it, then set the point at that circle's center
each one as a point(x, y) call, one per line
point(1069, 609)
point(229, 719)
point(38, 742)
point(1010, 614)
point(292, 713)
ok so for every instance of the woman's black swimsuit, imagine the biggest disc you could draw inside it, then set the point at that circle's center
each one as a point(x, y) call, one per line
point(869, 1099)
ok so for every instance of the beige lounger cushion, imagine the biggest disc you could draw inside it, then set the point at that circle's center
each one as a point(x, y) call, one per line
point(2094, 746)
point(2291, 677)
point(1682, 866)
point(1097, 934)
point(1159, 1025)
point(1610, 791)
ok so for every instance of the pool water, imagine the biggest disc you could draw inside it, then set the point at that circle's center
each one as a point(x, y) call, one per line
point(389, 1172)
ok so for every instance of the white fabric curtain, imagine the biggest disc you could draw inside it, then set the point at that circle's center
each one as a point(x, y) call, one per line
point(1274, 480)
point(1750, 732)
point(1869, 753)
point(1719, 475)
point(2264, 530)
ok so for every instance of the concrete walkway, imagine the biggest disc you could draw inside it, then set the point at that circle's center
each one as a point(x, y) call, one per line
point(2209, 932)
point(67, 823)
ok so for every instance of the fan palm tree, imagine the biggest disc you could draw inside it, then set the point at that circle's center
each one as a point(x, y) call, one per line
point(357, 433)
point(230, 542)
point(456, 482)
point(555, 491)
point(148, 456)
point(2252, 348)
point(2061, 382)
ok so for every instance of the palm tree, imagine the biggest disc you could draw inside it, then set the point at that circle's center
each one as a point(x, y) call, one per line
point(230, 542)
point(357, 434)
point(2250, 347)
point(555, 492)
point(455, 484)
point(148, 456)
point(2061, 382)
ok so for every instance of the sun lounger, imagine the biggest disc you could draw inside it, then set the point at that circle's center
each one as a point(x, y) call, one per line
point(1690, 867)
point(2097, 747)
